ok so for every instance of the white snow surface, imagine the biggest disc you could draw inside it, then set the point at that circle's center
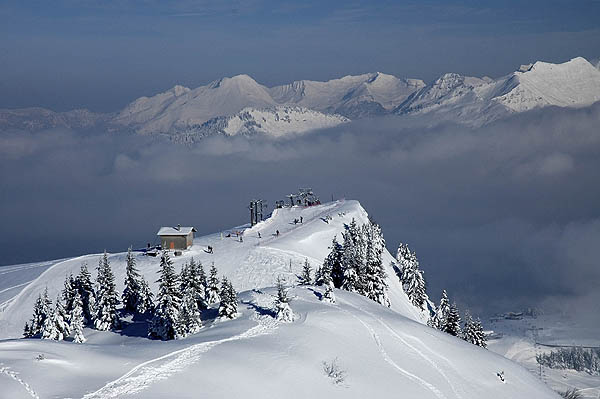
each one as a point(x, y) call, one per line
point(346, 95)
point(521, 340)
point(475, 101)
point(274, 122)
point(383, 351)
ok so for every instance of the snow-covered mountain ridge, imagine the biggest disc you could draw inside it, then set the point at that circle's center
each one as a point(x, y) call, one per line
point(475, 101)
point(381, 351)
point(454, 97)
point(279, 121)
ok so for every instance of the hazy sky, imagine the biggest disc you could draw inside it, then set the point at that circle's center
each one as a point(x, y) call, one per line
point(67, 54)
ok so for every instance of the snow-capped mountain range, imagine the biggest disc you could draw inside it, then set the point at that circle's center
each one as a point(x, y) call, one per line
point(240, 105)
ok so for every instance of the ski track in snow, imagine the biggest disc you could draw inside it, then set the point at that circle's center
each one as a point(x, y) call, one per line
point(15, 376)
point(15, 286)
point(12, 269)
point(389, 360)
point(416, 350)
point(151, 371)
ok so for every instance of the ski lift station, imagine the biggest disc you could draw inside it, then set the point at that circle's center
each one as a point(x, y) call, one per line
point(176, 237)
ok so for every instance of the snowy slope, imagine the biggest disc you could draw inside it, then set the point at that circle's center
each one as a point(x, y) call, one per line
point(521, 340)
point(351, 96)
point(180, 107)
point(383, 354)
point(477, 101)
point(253, 263)
point(573, 83)
point(273, 122)
point(384, 351)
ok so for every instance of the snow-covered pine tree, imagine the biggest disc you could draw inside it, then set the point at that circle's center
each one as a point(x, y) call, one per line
point(319, 276)
point(353, 253)
point(146, 303)
point(441, 313)
point(333, 263)
point(305, 277)
point(327, 282)
point(77, 320)
point(68, 293)
point(27, 331)
point(132, 293)
point(411, 277)
point(212, 291)
point(189, 321)
point(228, 305)
point(473, 331)
point(191, 280)
point(107, 297)
point(41, 311)
point(56, 326)
point(282, 303)
point(166, 312)
point(452, 324)
point(85, 287)
point(374, 285)
point(202, 303)
point(349, 264)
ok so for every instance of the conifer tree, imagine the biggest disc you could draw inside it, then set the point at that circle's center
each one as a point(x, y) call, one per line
point(191, 277)
point(107, 297)
point(305, 277)
point(411, 277)
point(27, 331)
point(452, 324)
point(56, 327)
point(228, 304)
point(327, 281)
point(202, 304)
point(374, 277)
point(441, 314)
point(85, 287)
point(189, 321)
point(146, 303)
point(41, 311)
point(166, 312)
point(282, 303)
point(77, 320)
point(333, 263)
point(352, 258)
point(133, 301)
point(319, 276)
point(68, 293)
point(473, 332)
point(212, 292)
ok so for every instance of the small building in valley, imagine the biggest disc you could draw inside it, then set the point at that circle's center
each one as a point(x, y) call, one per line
point(176, 237)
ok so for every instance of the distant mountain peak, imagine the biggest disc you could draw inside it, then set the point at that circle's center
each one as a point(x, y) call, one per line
point(452, 96)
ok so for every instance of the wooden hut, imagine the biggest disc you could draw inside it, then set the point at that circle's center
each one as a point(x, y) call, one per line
point(176, 237)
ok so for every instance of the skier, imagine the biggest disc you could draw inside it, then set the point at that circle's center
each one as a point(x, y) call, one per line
point(259, 235)
point(277, 233)
point(301, 219)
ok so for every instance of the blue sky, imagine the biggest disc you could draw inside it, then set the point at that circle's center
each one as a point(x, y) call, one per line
point(102, 54)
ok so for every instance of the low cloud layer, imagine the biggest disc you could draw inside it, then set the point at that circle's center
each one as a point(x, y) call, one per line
point(502, 216)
